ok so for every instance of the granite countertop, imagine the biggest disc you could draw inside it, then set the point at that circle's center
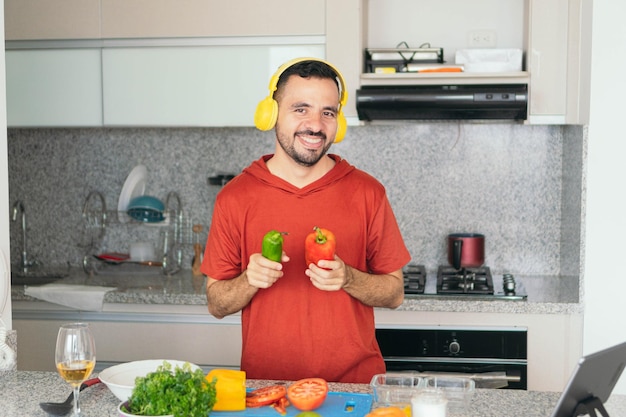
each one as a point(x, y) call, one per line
point(545, 294)
point(23, 390)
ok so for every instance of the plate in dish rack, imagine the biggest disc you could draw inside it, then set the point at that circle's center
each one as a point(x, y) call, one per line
point(134, 186)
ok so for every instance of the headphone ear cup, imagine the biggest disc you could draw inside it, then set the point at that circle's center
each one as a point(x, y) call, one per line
point(266, 114)
point(342, 127)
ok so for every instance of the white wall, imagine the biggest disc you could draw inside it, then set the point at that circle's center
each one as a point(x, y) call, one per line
point(605, 273)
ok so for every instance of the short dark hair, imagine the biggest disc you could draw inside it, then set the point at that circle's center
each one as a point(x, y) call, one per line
point(307, 69)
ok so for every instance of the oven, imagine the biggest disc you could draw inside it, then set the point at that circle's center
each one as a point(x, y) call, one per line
point(495, 357)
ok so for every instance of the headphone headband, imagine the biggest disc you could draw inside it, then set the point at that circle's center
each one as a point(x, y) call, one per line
point(267, 110)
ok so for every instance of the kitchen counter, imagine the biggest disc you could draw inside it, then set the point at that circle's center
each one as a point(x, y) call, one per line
point(546, 294)
point(154, 306)
point(23, 390)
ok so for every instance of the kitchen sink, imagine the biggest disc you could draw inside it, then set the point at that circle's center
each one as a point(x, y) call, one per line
point(38, 276)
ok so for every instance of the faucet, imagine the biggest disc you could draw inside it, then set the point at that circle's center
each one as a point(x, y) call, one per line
point(18, 206)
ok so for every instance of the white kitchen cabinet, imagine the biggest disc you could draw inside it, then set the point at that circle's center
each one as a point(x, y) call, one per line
point(559, 61)
point(60, 19)
point(54, 87)
point(199, 18)
point(115, 19)
point(139, 332)
point(345, 41)
point(190, 86)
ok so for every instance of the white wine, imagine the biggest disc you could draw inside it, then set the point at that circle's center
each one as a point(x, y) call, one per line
point(75, 357)
point(75, 372)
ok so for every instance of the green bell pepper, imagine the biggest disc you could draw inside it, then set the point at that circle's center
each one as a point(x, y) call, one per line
point(272, 247)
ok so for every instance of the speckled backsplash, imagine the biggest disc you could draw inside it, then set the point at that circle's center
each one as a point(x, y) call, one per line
point(519, 185)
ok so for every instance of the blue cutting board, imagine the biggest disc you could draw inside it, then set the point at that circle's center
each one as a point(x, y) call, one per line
point(337, 404)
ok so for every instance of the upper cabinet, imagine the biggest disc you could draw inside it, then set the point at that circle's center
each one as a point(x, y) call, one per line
point(554, 35)
point(151, 62)
point(559, 61)
point(206, 85)
point(59, 19)
point(123, 19)
point(241, 42)
point(54, 87)
point(198, 18)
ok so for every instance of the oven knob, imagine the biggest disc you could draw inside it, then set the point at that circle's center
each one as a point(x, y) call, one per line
point(454, 347)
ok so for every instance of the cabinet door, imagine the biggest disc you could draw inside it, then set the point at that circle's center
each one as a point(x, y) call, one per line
point(267, 18)
point(559, 57)
point(190, 86)
point(170, 18)
point(154, 18)
point(547, 57)
point(54, 87)
point(60, 19)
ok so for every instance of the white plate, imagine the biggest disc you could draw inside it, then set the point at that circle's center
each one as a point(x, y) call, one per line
point(134, 186)
point(120, 379)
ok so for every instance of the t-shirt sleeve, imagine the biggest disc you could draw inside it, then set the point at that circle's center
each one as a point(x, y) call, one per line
point(222, 254)
point(386, 251)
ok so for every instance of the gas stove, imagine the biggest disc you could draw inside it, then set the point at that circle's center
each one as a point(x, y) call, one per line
point(464, 281)
point(472, 283)
point(414, 279)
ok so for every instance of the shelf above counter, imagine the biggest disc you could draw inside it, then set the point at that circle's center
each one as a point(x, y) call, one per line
point(438, 78)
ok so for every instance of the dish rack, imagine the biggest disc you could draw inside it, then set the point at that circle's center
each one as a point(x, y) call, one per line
point(107, 236)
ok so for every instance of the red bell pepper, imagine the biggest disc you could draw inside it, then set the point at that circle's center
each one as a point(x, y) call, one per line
point(319, 244)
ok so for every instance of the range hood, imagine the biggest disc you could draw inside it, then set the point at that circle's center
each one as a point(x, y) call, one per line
point(443, 102)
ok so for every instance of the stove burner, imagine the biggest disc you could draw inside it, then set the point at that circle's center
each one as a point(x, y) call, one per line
point(464, 281)
point(414, 279)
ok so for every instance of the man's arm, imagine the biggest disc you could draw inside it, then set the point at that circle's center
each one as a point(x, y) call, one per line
point(384, 290)
point(229, 296)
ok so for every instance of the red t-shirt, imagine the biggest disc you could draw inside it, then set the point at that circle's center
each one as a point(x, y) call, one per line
point(293, 330)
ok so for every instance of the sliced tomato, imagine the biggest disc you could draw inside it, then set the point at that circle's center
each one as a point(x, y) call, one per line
point(281, 406)
point(265, 396)
point(308, 394)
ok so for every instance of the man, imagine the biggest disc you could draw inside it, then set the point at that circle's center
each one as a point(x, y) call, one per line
point(301, 320)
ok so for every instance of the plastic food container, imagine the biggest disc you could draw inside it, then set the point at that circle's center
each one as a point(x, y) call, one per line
point(395, 389)
point(489, 60)
point(458, 391)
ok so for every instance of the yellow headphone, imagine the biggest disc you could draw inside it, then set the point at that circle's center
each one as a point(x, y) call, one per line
point(267, 109)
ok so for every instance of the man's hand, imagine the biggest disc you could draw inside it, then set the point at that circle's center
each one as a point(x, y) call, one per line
point(383, 290)
point(263, 273)
point(329, 275)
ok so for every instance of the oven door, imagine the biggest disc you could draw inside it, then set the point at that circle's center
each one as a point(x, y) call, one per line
point(500, 374)
point(493, 357)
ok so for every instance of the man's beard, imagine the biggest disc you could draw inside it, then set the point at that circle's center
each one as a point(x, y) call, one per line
point(308, 157)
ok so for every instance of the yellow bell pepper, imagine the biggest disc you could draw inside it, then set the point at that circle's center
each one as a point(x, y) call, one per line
point(230, 389)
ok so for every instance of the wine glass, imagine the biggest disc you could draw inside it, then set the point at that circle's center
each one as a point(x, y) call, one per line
point(75, 356)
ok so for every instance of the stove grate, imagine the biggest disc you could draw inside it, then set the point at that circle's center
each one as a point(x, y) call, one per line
point(414, 279)
point(464, 281)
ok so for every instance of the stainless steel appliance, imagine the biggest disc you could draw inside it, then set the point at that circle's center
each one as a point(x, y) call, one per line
point(493, 357)
point(466, 283)
point(467, 350)
point(442, 102)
